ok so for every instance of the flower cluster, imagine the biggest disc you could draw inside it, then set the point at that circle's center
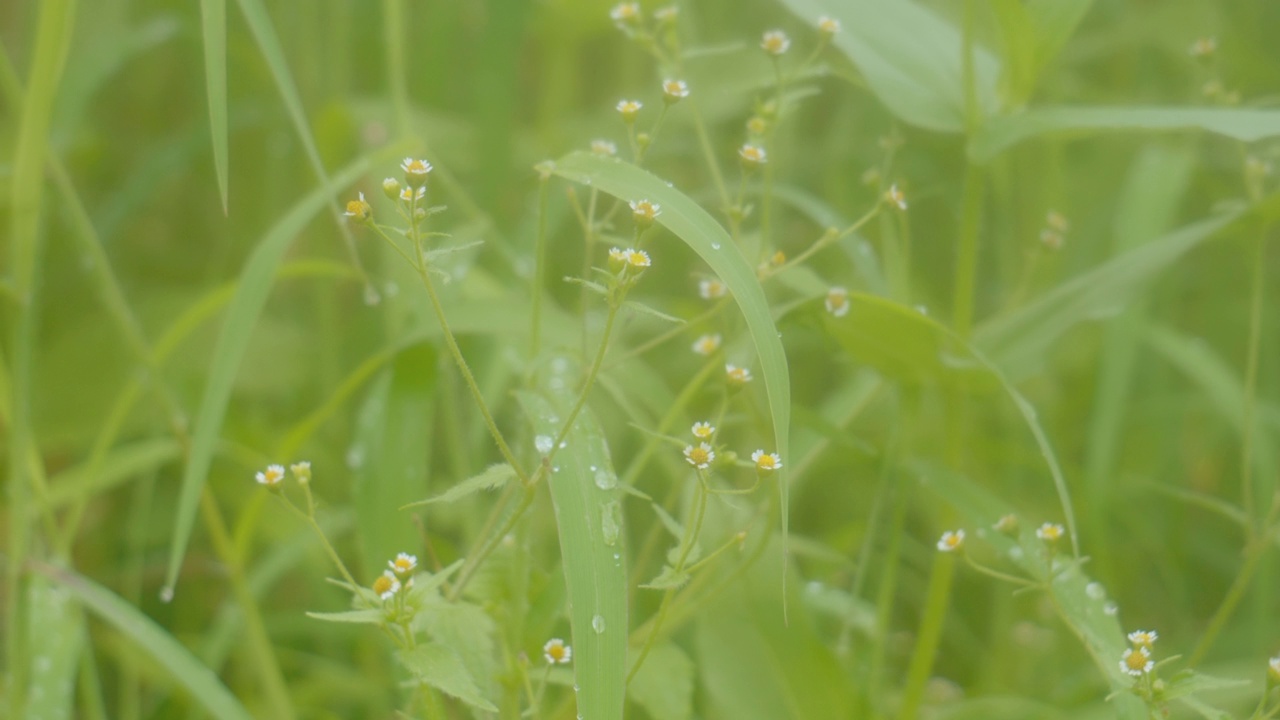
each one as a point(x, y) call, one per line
point(1136, 659)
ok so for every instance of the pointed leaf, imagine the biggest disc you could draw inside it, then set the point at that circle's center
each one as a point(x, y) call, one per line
point(495, 476)
point(442, 669)
point(213, 25)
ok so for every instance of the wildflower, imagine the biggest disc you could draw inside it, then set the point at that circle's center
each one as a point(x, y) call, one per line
point(301, 472)
point(838, 301)
point(712, 289)
point(403, 564)
point(644, 212)
point(673, 91)
point(757, 126)
point(555, 651)
point(703, 430)
point(766, 462)
point(359, 210)
point(752, 156)
point(951, 540)
point(270, 477)
point(638, 259)
point(391, 188)
point(701, 456)
point(387, 585)
point(1007, 524)
point(604, 148)
point(828, 26)
point(1203, 47)
point(409, 194)
point(415, 171)
point(1143, 638)
point(1273, 670)
point(1049, 532)
point(627, 13)
point(617, 258)
point(706, 344)
point(894, 196)
point(666, 15)
point(629, 109)
point(1136, 662)
point(775, 42)
point(737, 376)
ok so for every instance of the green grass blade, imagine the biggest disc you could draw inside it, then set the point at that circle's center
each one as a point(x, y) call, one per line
point(149, 637)
point(689, 222)
point(56, 620)
point(1001, 133)
point(113, 468)
point(910, 58)
point(213, 24)
point(251, 293)
point(595, 574)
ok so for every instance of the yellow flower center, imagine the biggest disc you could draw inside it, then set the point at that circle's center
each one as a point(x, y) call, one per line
point(403, 566)
point(382, 584)
point(699, 456)
point(638, 259)
point(416, 167)
point(766, 462)
point(358, 208)
point(1135, 660)
point(556, 652)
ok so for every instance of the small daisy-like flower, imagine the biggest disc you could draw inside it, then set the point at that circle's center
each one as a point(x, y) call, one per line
point(951, 540)
point(775, 42)
point(837, 301)
point(403, 564)
point(359, 210)
point(666, 14)
point(757, 126)
point(409, 194)
point(391, 188)
point(1050, 532)
point(706, 344)
point(673, 91)
point(629, 109)
point(604, 148)
point(737, 375)
point(701, 456)
point(828, 25)
point(555, 651)
point(1007, 524)
point(703, 430)
point(1136, 662)
point(1203, 47)
point(766, 462)
point(894, 196)
point(415, 171)
point(1143, 638)
point(638, 259)
point(627, 12)
point(644, 212)
point(387, 585)
point(301, 472)
point(270, 477)
point(712, 289)
point(752, 156)
point(1273, 669)
point(618, 255)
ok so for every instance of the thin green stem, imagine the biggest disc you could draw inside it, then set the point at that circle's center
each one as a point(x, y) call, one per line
point(1235, 594)
point(1249, 428)
point(474, 561)
point(967, 252)
point(539, 272)
point(937, 600)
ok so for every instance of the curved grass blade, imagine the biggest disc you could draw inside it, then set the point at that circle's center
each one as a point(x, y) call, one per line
point(1003, 132)
point(583, 489)
point(233, 341)
point(143, 632)
point(910, 58)
point(689, 222)
point(213, 24)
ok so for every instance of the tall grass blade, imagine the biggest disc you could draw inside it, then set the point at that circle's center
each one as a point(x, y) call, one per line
point(55, 618)
point(213, 24)
point(256, 281)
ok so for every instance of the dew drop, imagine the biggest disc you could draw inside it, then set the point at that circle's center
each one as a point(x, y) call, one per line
point(597, 624)
point(564, 444)
point(1095, 591)
point(1111, 608)
point(166, 595)
point(543, 443)
point(605, 480)
point(715, 246)
point(611, 522)
point(371, 296)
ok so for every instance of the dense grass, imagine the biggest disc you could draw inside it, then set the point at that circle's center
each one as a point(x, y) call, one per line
point(1006, 264)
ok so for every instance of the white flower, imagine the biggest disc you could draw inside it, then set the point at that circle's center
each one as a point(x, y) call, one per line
point(301, 472)
point(737, 375)
point(674, 91)
point(894, 196)
point(1050, 532)
point(409, 194)
point(403, 564)
point(701, 456)
point(838, 301)
point(415, 171)
point(703, 430)
point(271, 476)
point(555, 651)
point(1144, 638)
point(766, 462)
point(712, 289)
point(387, 585)
point(645, 211)
point(828, 25)
point(1136, 662)
point(951, 540)
point(775, 42)
point(627, 12)
point(752, 155)
point(629, 109)
point(706, 344)
point(359, 209)
point(638, 259)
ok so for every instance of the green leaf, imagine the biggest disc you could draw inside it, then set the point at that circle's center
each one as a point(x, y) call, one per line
point(1189, 682)
point(664, 684)
point(213, 25)
point(58, 624)
point(910, 58)
point(468, 631)
point(117, 466)
point(1000, 133)
point(359, 617)
point(646, 310)
point(146, 635)
point(442, 669)
point(668, 579)
point(689, 222)
point(1033, 32)
point(495, 476)
point(251, 294)
point(594, 573)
